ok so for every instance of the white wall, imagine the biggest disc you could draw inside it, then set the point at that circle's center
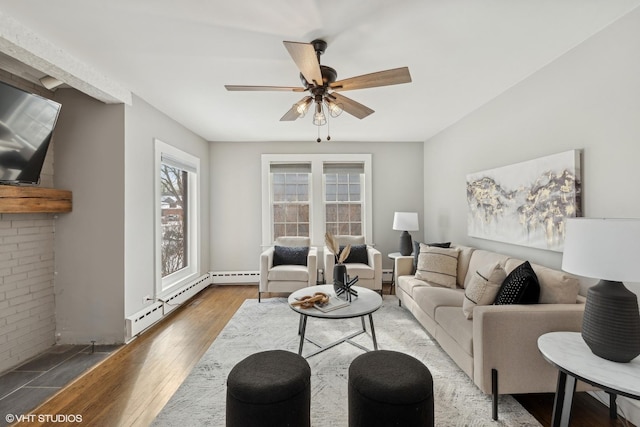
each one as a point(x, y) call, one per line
point(236, 209)
point(588, 99)
point(143, 124)
point(89, 282)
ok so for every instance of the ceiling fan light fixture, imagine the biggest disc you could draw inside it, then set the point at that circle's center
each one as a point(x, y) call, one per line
point(335, 108)
point(302, 106)
point(319, 119)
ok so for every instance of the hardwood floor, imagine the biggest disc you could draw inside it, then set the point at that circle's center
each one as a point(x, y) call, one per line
point(133, 385)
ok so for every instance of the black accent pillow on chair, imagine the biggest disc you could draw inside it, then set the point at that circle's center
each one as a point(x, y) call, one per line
point(287, 255)
point(520, 287)
point(358, 254)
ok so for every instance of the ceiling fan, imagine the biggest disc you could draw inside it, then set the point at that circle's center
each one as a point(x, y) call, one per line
point(320, 82)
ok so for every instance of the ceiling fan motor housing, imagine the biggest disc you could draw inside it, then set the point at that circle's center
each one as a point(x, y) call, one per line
point(329, 75)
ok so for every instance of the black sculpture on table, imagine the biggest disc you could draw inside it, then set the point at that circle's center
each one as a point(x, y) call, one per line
point(343, 288)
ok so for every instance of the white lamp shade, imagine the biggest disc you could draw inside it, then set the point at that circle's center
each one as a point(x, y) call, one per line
point(405, 221)
point(602, 248)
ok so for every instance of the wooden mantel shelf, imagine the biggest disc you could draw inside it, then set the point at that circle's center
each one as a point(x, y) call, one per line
point(15, 199)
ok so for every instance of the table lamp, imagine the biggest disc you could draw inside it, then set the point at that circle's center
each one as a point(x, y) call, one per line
point(607, 249)
point(405, 222)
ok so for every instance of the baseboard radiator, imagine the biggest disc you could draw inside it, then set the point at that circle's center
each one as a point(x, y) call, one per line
point(138, 322)
point(219, 277)
point(175, 299)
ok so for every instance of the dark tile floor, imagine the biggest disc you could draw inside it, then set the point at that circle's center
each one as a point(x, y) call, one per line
point(29, 385)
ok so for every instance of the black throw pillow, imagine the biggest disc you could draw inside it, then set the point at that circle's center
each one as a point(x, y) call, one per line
point(358, 254)
point(286, 255)
point(416, 251)
point(520, 287)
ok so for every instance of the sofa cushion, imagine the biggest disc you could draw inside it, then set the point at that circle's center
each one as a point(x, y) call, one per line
point(520, 287)
point(363, 271)
point(556, 287)
point(438, 266)
point(430, 298)
point(452, 321)
point(480, 258)
point(416, 250)
point(409, 284)
point(483, 287)
point(297, 273)
point(285, 255)
point(464, 257)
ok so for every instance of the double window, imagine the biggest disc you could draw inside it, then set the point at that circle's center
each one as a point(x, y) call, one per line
point(307, 195)
point(177, 216)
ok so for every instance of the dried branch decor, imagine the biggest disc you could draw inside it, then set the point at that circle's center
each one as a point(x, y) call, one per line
point(332, 244)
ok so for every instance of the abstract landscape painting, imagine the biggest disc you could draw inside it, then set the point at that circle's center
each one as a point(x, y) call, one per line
point(526, 203)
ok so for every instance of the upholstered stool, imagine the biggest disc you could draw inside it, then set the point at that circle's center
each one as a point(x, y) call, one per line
point(388, 388)
point(271, 388)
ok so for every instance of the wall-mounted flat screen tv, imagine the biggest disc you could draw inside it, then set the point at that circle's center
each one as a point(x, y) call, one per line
point(26, 126)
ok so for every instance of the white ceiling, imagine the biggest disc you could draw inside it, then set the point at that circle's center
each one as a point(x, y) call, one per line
point(177, 55)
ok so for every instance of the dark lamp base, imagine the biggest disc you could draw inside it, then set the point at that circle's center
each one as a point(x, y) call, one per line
point(611, 324)
point(406, 245)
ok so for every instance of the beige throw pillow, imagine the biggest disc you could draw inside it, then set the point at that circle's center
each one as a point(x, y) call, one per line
point(483, 287)
point(438, 266)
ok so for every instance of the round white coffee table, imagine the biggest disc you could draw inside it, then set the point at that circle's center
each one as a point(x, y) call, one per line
point(365, 304)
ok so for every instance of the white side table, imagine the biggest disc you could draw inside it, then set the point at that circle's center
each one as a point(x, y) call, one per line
point(568, 352)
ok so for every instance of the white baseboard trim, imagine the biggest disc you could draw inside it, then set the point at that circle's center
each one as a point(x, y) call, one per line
point(148, 316)
point(244, 277)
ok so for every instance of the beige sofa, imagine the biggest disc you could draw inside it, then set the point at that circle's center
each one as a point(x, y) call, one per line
point(497, 348)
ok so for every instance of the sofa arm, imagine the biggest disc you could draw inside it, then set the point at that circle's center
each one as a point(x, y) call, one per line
point(329, 262)
point(312, 265)
point(266, 262)
point(374, 259)
point(403, 266)
point(505, 338)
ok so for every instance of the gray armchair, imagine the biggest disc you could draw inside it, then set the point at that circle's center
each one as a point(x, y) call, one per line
point(294, 268)
point(369, 273)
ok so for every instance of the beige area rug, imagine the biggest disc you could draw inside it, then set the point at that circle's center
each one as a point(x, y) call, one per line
point(271, 324)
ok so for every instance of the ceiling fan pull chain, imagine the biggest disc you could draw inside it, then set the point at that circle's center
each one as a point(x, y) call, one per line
point(319, 139)
point(328, 128)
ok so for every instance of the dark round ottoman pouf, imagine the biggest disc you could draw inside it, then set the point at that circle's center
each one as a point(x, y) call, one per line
point(271, 388)
point(388, 388)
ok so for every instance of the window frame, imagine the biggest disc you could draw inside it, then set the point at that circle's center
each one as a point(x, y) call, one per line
point(190, 164)
point(317, 217)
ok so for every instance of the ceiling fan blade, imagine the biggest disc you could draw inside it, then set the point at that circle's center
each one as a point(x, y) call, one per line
point(304, 55)
point(290, 115)
point(264, 88)
point(350, 106)
point(380, 78)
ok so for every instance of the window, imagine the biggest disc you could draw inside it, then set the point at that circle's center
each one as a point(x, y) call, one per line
point(307, 195)
point(343, 183)
point(290, 199)
point(177, 217)
point(174, 218)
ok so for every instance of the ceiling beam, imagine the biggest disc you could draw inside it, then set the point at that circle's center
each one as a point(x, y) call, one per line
point(21, 43)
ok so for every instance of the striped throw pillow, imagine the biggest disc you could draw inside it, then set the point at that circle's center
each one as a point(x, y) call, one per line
point(438, 266)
